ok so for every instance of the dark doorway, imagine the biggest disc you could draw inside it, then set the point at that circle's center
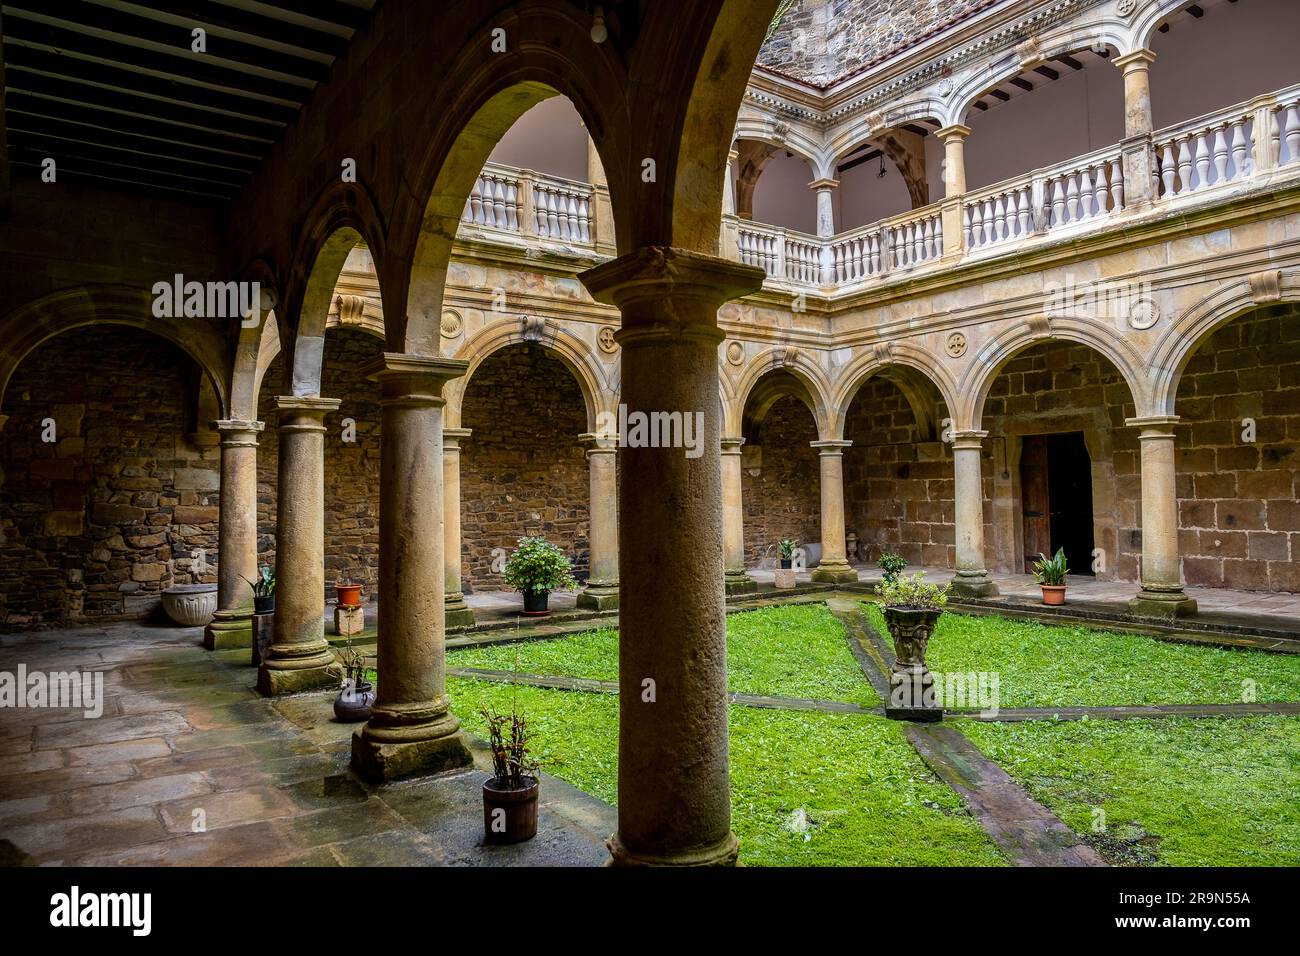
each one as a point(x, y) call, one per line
point(1056, 499)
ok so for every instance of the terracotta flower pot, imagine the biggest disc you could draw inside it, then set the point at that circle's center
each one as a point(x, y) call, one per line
point(1053, 594)
point(349, 595)
point(509, 816)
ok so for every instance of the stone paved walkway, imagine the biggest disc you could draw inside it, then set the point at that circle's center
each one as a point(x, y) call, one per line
point(185, 738)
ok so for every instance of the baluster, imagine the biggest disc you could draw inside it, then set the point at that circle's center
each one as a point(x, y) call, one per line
point(988, 221)
point(927, 240)
point(976, 225)
point(874, 256)
point(1184, 165)
point(512, 206)
point(1202, 160)
point(1072, 197)
point(1239, 149)
point(1220, 153)
point(938, 236)
point(966, 226)
point(1086, 207)
point(999, 219)
point(476, 202)
point(1025, 214)
point(499, 203)
point(1291, 133)
point(553, 215)
point(1099, 194)
point(1116, 184)
point(1058, 203)
point(918, 242)
point(1168, 169)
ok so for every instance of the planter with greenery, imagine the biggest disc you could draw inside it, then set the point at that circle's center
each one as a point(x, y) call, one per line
point(510, 796)
point(356, 694)
point(536, 568)
point(1050, 574)
point(892, 565)
point(912, 609)
point(787, 547)
point(263, 590)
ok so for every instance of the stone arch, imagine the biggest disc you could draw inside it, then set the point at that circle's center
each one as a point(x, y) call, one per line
point(1181, 340)
point(255, 346)
point(30, 325)
point(974, 385)
point(551, 53)
point(906, 365)
point(576, 354)
point(1149, 19)
point(758, 127)
point(866, 128)
point(814, 389)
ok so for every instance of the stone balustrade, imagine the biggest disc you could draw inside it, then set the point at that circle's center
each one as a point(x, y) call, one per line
point(530, 204)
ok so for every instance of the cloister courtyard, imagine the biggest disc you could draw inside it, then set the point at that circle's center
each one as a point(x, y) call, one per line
point(834, 433)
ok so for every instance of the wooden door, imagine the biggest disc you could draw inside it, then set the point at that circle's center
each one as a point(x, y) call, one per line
point(1035, 501)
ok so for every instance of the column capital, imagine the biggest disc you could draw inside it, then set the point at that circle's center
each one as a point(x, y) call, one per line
point(599, 443)
point(413, 380)
point(824, 183)
point(304, 412)
point(638, 283)
point(731, 445)
point(452, 437)
point(236, 433)
point(831, 446)
point(1154, 426)
point(969, 438)
point(1137, 60)
point(955, 131)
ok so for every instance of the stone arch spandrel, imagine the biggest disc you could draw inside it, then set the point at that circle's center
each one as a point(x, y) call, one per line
point(797, 362)
point(883, 358)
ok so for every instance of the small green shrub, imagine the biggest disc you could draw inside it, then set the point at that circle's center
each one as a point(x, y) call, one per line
point(910, 591)
point(537, 566)
point(264, 586)
point(892, 564)
point(1051, 571)
point(787, 546)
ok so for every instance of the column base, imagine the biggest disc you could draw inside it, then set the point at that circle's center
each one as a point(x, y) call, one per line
point(457, 613)
point(229, 629)
point(292, 675)
point(601, 597)
point(738, 582)
point(1162, 604)
point(973, 586)
point(723, 853)
point(834, 572)
point(381, 754)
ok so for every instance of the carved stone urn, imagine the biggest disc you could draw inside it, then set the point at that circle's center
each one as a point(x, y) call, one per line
point(190, 605)
point(911, 688)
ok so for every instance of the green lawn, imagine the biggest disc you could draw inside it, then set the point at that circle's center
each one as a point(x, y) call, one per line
point(793, 651)
point(867, 797)
point(1174, 791)
point(1060, 665)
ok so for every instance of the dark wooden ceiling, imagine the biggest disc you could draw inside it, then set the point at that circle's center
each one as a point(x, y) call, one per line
point(113, 91)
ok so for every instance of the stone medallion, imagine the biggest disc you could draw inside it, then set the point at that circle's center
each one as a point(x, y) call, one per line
point(451, 323)
point(956, 344)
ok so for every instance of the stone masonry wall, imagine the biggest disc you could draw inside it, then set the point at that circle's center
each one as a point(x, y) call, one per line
point(351, 468)
point(523, 470)
point(898, 491)
point(784, 499)
point(96, 524)
point(1239, 520)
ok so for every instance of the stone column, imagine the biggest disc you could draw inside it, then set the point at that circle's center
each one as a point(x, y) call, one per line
point(299, 657)
point(602, 213)
point(458, 613)
point(601, 592)
point(730, 240)
point(826, 226)
point(237, 542)
point(972, 578)
point(954, 158)
point(735, 580)
point(674, 801)
point(1136, 147)
point(1162, 587)
point(833, 567)
point(411, 728)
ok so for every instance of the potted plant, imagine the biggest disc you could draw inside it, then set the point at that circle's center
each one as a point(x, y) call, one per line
point(537, 568)
point(263, 590)
point(787, 546)
point(892, 565)
point(912, 608)
point(1050, 574)
point(347, 593)
point(510, 795)
point(357, 694)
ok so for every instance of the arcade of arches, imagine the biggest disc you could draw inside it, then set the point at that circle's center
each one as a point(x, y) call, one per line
point(440, 342)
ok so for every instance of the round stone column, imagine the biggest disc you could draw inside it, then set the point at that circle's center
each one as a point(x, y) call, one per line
point(1137, 91)
point(601, 592)
point(458, 613)
point(972, 579)
point(674, 801)
point(299, 657)
point(411, 728)
point(954, 158)
point(735, 580)
point(834, 566)
point(1162, 592)
point(232, 626)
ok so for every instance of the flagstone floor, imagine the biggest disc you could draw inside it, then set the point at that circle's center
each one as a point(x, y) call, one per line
point(189, 765)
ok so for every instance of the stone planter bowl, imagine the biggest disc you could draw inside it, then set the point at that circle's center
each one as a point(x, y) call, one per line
point(190, 605)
